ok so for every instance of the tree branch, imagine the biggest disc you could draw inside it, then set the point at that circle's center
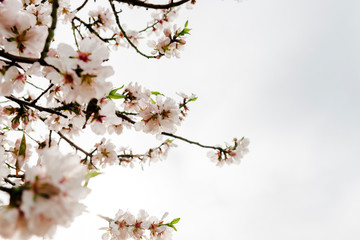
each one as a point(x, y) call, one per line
point(123, 116)
point(120, 115)
point(15, 58)
point(5, 189)
point(88, 26)
point(74, 145)
point(55, 6)
point(191, 142)
point(19, 58)
point(43, 109)
point(153, 6)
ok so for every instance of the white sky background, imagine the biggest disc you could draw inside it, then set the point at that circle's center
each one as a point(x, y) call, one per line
point(284, 73)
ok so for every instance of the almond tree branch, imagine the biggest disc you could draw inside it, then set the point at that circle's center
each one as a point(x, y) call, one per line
point(74, 145)
point(191, 142)
point(43, 109)
point(120, 115)
point(123, 116)
point(55, 6)
point(20, 59)
point(153, 6)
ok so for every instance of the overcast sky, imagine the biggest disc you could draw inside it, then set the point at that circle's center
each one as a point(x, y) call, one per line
point(285, 74)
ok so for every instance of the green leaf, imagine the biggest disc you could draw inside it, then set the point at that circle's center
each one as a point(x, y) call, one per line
point(90, 175)
point(152, 101)
point(22, 148)
point(115, 90)
point(176, 220)
point(187, 22)
point(184, 31)
point(172, 226)
point(21, 154)
point(114, 95)
point(193, 99)
point(157, 93)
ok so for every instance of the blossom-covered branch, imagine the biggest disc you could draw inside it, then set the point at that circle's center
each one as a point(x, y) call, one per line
point(70, 92)
point(125, 225)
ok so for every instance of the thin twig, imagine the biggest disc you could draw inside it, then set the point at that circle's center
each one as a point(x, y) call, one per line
point(155, 23)
point(124, 33)
point(88, 26)
point(42, 94)
point(73, 144)
point(74, 33)
point(82, 5)
point(9, 181)
point(191, 142)
point(34, 85)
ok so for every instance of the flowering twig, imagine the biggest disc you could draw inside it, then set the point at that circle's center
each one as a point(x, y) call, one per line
point(125, 225)
point(152, 153)
point(156, 22)
point(89, 27)
point(124, 33)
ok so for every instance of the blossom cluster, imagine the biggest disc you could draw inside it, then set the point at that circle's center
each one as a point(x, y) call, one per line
point(47, 196)
point(231, 153)
point(172, 43)
point(125, 226)
point(79, 74)
point(21, 32)
point(157, 113)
